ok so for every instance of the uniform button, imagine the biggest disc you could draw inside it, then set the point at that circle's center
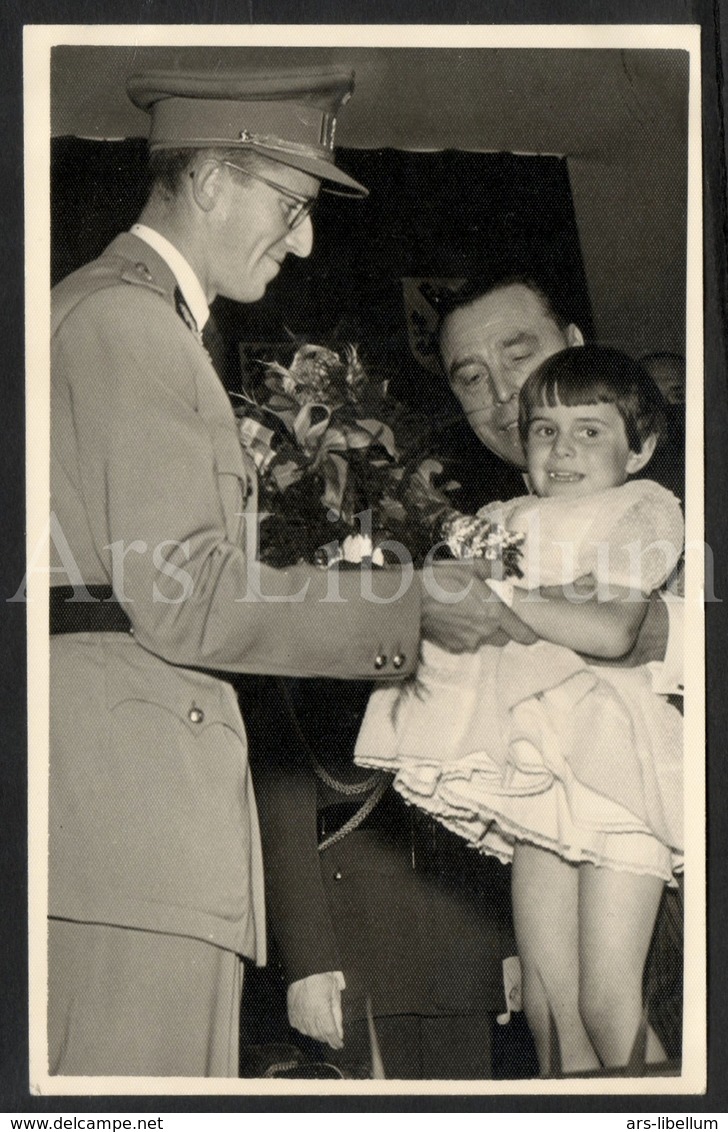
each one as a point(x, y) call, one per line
point(337, 875)
point(398, 659)
point(195, 714)
point(143, 270)
point(380, 660)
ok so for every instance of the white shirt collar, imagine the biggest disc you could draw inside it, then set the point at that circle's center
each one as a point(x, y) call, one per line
point(187, 281)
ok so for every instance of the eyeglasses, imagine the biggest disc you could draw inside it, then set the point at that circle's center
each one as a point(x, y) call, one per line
point(295, 208)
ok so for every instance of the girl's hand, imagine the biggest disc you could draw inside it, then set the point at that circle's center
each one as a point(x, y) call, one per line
point(575, 616)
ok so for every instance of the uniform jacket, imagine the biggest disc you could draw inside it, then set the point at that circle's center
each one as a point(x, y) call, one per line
point(152, 816)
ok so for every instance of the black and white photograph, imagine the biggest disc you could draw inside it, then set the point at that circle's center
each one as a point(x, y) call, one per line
point(366, 560)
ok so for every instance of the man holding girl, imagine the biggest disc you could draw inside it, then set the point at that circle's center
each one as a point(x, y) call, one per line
point(512, 748)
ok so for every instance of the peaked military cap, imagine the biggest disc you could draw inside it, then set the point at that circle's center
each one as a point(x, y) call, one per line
point(286, 116)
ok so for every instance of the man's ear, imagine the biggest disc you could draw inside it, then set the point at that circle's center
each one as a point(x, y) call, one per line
point(637, 460)
point(574, 336)
point(206, 182)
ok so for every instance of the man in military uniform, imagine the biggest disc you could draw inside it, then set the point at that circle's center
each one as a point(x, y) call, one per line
point(155, 869)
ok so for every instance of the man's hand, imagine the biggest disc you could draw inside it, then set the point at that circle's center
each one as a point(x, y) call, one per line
point(460, 613)
point(314, 1007)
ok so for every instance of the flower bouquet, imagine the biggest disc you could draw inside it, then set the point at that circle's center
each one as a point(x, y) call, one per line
point(345, 474)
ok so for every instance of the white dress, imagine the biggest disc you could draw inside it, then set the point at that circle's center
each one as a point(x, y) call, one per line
point(531, 743)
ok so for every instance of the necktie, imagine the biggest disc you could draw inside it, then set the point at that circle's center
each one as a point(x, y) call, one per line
point(214, 343)
point(184, 311)
point(210, 337)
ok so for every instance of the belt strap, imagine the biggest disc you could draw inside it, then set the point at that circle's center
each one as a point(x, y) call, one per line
point(103, 614)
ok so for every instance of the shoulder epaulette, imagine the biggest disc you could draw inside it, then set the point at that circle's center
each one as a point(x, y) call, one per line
point(102, 273)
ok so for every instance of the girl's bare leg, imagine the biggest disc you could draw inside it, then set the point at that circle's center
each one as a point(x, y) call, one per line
point(545, 913)
point(617, 912)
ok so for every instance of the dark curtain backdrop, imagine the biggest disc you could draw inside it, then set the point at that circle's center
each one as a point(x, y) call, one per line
point(445, 214)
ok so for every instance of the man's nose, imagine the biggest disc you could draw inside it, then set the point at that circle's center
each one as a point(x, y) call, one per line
point(299, 240)
point(504, 387)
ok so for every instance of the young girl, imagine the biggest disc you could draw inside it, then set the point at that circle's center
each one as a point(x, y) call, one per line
point(572, 770)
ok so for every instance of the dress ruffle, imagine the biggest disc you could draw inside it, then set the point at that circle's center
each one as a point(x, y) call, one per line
point(530, 743)
point(589, 766)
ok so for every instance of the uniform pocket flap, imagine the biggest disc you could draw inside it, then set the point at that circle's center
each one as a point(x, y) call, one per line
point(194, 698)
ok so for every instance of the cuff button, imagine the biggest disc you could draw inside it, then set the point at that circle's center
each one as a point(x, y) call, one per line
point(380, 660)
point(398, 659)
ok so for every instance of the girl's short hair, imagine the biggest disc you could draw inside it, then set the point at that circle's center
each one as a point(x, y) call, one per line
point(590, 375)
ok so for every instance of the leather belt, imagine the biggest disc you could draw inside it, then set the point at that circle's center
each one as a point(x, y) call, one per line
point(103, 614)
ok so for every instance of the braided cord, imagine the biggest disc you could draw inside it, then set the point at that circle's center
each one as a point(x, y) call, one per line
point(375, 785)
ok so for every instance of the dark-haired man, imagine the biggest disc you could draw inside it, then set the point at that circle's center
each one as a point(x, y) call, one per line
point(489, 343)
point(332, 908)
point(492, 335)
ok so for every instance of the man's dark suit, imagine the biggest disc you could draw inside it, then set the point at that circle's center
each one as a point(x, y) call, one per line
point(414, 921)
